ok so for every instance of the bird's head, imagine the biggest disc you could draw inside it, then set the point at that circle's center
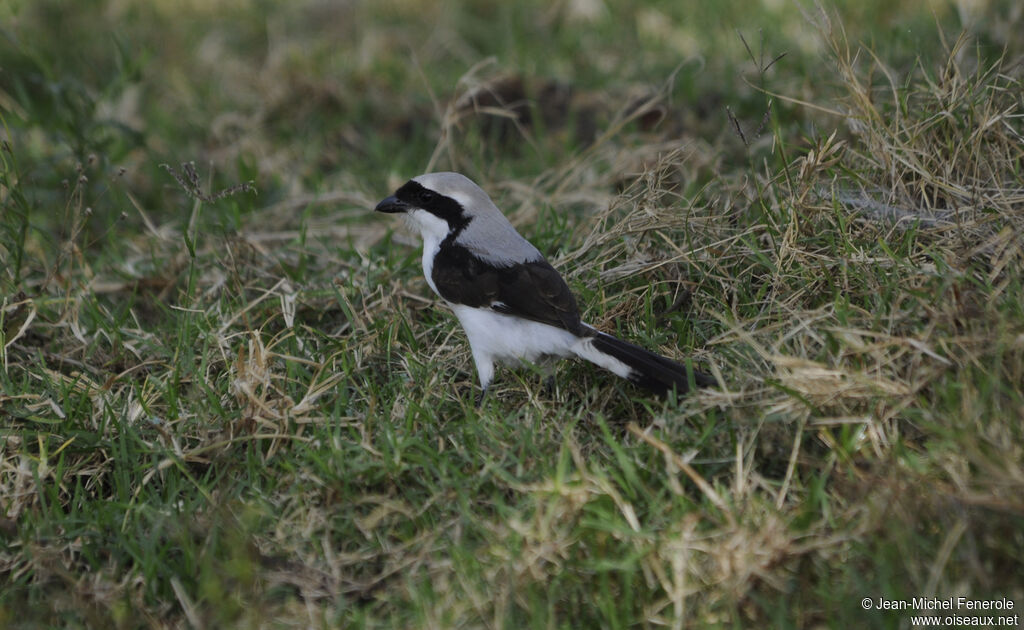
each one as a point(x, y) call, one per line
point(443, 205)
point(438, 203)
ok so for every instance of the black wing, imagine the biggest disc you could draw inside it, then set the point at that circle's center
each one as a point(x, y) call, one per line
point(532, 290)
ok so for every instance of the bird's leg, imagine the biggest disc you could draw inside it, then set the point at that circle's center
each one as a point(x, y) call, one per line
point(546, 369)
point(485, 372)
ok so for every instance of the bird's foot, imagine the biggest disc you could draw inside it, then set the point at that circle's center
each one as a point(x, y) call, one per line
point(480, 398)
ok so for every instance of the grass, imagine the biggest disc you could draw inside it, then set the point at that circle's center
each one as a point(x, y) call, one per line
point(228, 399)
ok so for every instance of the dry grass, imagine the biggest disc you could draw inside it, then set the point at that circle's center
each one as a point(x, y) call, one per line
point(248, 411)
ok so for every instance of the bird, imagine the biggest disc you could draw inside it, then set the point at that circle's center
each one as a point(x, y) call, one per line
point(514, 307)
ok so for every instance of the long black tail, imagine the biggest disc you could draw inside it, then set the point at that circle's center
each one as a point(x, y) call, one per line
point(650, 370)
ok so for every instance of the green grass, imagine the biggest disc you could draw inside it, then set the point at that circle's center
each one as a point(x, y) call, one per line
point(249, 410)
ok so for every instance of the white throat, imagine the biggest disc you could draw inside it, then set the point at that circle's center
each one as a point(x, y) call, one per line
point(433, 230)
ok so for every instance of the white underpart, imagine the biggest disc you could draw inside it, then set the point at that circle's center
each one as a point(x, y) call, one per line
point(509, 340)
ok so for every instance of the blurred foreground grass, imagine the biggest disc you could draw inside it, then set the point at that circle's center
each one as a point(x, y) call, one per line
point(249, 411)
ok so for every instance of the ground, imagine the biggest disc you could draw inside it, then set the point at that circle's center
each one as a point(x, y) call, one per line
point(228, 398)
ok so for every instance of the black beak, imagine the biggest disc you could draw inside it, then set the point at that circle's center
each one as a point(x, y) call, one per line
point(392, 204)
